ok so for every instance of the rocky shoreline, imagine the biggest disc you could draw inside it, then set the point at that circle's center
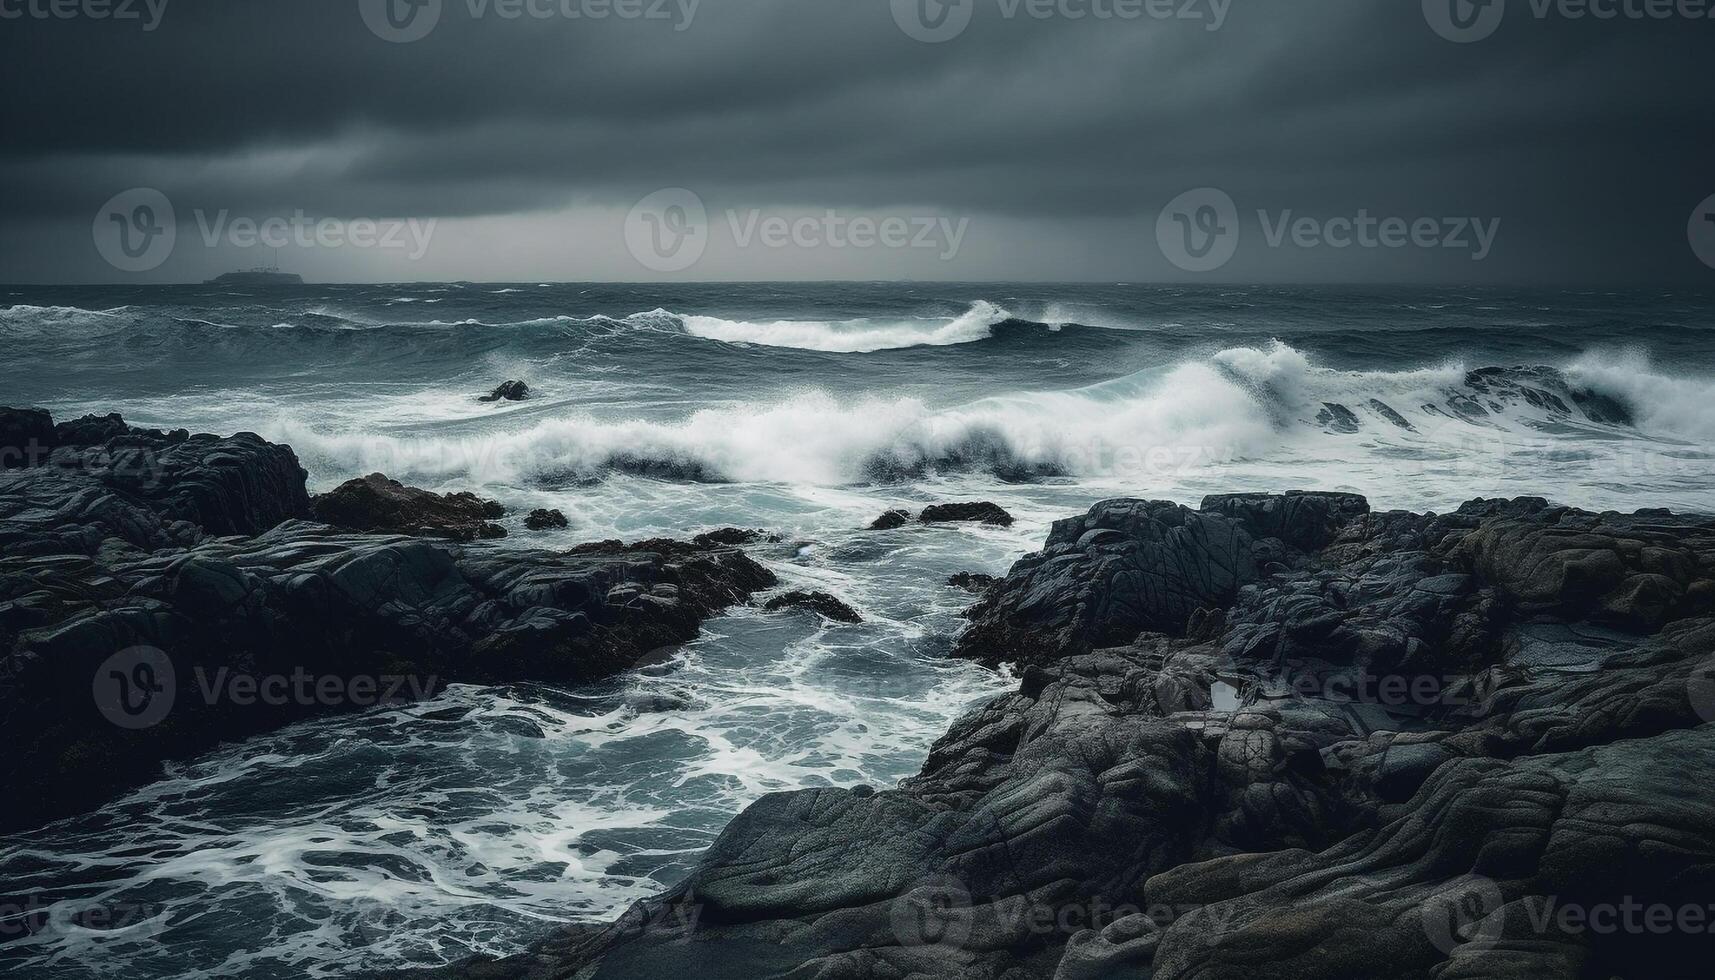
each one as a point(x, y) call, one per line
point(195, 589)
point(1276, 736)
point(1271, 737)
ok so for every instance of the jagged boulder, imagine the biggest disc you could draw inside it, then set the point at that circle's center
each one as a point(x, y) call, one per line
point(511, 391)
point(378, 504)
point(1304, 521)
point(891, 520)
point(820, 603)
point(981, 512)
point(1126, 567)
point(26, 437)
point(546, 520)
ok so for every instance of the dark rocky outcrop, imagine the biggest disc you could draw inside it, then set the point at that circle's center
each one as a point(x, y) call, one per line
point(140, 574)
point(981, 512)
point(891, 520)
point(545, 520)
point(1276, 737)
point(817, 602)
point(1125, 567)
point(511, 391)
point(733, 537)
point(26, 437)
point(376, 504)
point(972, 581)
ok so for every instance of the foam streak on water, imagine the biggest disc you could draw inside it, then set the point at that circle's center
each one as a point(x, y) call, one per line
point(479, 820)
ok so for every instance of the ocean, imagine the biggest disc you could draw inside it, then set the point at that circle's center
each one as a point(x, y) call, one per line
point(480, 820)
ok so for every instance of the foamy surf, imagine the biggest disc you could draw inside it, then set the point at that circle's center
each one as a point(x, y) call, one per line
point(477, 822)
point(860, 336)
point(1239, 404)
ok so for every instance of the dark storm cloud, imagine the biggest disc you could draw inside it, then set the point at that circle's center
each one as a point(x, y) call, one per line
point(1591, 139)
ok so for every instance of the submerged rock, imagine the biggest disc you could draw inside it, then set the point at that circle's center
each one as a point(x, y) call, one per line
point(1339, 774)
point(972, 581)
point(891, 520)
point(981, 512)
point(378, 504)
point(818, 602)
point(511, 391)
point(735, 536)
point(545, 520)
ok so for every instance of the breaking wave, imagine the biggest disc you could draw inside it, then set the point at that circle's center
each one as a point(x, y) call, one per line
point(859, 336)
point(1241, 403)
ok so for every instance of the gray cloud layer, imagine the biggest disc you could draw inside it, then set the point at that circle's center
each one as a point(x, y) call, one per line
point(1059, 138)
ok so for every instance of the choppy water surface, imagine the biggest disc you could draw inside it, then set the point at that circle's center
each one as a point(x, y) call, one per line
point(474, 822)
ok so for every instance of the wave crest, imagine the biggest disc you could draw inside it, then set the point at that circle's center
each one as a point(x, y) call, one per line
point(859, 336)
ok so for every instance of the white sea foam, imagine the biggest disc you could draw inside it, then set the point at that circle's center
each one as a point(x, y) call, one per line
point(1676, 406)
point(1242, 403)
point(853, 336)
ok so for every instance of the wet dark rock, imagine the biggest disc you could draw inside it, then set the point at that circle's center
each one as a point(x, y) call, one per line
point(1336, 417)
point(545, 520)
point(378, 504)
point(981, 512)
point(735, 536)
point(26, 437)
point(1386, 411)
point(511, 391)
point(148, 489)
point(1306, 521)
point(183, 564)
point(818, 602)
point(972, 581)
point(891, 520)
point(91, 430)
point(1126, 567)
point(1395, 755)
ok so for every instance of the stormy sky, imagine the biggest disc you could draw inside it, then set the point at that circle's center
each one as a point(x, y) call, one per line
point(514, 139)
